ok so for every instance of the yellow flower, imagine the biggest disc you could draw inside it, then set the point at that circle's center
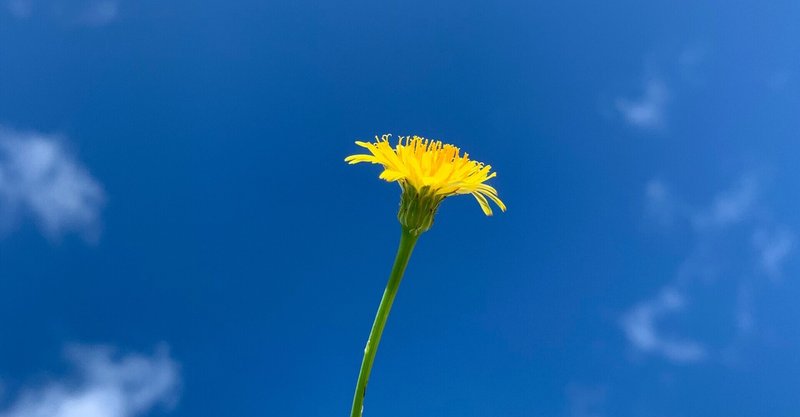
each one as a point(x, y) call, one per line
point(428, 171)
point(430, 168)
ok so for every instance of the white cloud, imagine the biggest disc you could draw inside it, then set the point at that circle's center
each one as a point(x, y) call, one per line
point(105, 386)
point(729, 207)
point(640, 327)
point(40, 179)
point(720, 256)
point(773, 249)
point(647, 111)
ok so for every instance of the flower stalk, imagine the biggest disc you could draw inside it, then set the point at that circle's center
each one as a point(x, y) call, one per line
point(427, 171)
point(407, 242)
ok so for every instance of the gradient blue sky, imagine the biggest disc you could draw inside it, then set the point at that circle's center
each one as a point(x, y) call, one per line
point(179, 234)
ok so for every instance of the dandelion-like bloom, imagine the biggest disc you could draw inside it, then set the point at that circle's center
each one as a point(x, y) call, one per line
point(428, 171)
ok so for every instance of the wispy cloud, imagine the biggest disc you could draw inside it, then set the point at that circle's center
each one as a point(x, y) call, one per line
point(69, 12)
point(104, 386)
point(773, 249)
point(649, 110)
point(720, 249)
point(666, 76)
point(640, 327)
point(41, 180)
point(729, 207)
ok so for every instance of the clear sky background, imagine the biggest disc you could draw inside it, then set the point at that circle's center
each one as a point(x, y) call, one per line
point(179, 234)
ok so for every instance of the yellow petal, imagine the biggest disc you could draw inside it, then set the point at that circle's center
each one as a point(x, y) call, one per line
point(419, 162)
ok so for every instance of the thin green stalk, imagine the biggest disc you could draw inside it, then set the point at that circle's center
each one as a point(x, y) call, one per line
point(407, 242)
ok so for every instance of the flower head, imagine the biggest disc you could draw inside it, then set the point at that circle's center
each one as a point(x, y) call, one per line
point(428, 171)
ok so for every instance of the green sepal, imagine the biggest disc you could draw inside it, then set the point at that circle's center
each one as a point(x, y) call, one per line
point(417, 208)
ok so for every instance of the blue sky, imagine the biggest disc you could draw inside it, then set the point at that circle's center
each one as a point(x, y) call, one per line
point(179, 234)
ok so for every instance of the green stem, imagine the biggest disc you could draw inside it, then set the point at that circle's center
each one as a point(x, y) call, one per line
point(407, 242)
